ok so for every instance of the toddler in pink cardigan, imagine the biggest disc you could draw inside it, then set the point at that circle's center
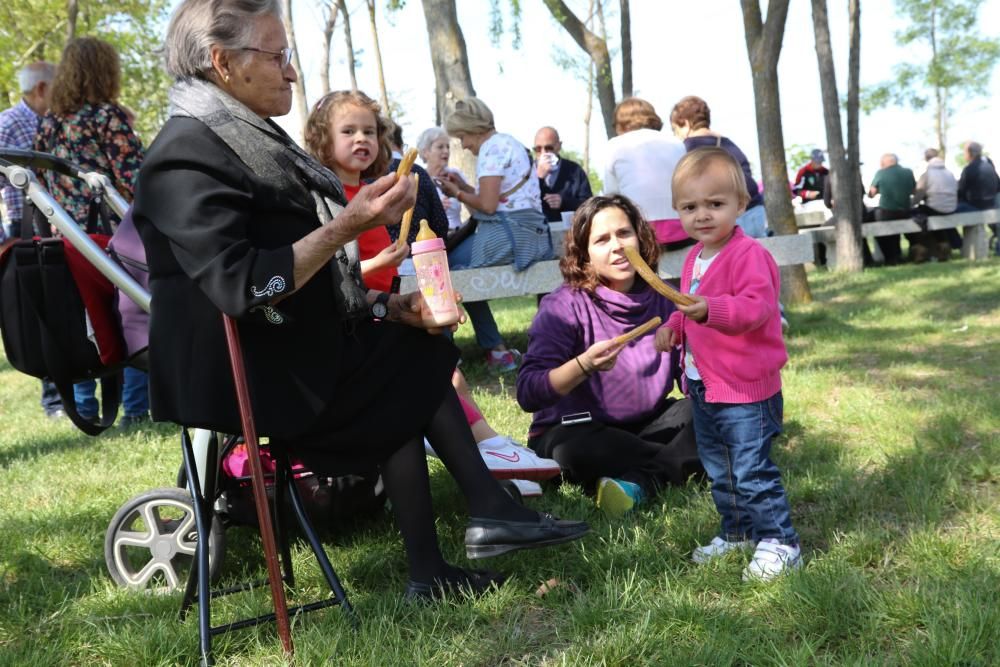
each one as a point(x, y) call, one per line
point(733, 354)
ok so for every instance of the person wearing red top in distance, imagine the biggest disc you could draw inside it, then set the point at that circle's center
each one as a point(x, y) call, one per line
point(347, 133)
point(733, 354)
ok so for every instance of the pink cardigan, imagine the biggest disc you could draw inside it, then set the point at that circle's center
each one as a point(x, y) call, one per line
point(739, 348)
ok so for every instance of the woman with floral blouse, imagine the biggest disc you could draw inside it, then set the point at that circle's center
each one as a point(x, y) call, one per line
point(86, 126)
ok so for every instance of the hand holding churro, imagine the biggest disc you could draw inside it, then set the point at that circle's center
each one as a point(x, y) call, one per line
point(654, 281)
point(640, 330)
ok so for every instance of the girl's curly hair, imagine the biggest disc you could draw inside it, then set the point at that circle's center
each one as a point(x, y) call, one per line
point(319, 129)
point(89, 73)
point(575, 263)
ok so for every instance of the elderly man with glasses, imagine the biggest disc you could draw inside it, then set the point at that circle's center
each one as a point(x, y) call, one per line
point(563, 183)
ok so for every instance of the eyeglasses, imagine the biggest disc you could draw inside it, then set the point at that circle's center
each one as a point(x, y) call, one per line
point(282, 58)
point(548, 148)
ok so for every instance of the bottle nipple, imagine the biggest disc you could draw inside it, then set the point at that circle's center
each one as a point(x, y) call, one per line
point(425, 233)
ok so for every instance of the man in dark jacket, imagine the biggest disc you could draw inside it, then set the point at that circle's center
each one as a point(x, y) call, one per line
point(563, 183)
point(979, 183)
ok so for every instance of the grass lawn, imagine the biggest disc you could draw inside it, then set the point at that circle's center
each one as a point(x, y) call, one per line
point(891, 457)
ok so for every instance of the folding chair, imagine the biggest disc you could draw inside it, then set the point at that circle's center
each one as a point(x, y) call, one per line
point(272, 531)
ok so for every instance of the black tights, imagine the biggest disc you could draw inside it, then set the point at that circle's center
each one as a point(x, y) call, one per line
point(408, 486)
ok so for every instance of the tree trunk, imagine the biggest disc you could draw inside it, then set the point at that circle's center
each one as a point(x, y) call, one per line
point(597, 49)
point(378, 59)
point(332, 10)
point(299, 87)
point(589, 112)
point(763, 48)
point(626, 19)
point(349, 42)
point(452, 78)
point(941, 112)
point(844, 182)
point(72, 11)
point(853, 114)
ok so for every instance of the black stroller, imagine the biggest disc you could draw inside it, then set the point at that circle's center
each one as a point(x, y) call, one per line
point(156, 539)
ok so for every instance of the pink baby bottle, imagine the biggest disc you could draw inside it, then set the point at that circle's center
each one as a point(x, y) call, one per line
point(430, 260)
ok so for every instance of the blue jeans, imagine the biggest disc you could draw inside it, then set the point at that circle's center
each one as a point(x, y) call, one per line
point(51, 401)
point(135, 395)
point(487, 332)
point(734, 443)
point(754, 222)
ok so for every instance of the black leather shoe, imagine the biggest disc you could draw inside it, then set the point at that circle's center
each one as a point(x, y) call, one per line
point(491, 537)
point(473, 583)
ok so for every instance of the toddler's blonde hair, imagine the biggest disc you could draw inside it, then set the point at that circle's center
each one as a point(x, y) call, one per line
point(698, 161)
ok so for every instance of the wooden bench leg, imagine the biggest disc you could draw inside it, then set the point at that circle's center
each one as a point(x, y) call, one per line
point(975, 244)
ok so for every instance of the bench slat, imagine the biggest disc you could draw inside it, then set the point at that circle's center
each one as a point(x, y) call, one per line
point(498, 282)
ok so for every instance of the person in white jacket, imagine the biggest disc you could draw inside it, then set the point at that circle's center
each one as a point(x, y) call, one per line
point(936, 194)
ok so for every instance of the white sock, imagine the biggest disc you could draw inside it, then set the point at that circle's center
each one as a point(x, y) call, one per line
point(495, 442)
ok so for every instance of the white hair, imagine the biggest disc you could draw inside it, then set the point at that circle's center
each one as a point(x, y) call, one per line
point(428, 137)
point(31, 75)
point(197, 25)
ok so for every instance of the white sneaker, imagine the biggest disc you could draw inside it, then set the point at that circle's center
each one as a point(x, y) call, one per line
point(717, 548)
point(772, 559)
point(527, 488)
point(506, 459)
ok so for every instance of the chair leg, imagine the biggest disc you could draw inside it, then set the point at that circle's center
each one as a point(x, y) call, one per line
point(199, 576)
point(282, 477)
point(281, 460)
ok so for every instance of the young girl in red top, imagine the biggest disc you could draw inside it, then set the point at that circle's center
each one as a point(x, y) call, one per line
point(733, 354)
point(346, 132)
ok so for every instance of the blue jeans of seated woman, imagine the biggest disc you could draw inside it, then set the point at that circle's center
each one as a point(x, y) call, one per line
point(754, 222)
point(487, 332)
point(734, 443)
point(135, 395)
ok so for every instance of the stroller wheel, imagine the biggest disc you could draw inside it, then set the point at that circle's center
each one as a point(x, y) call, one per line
point(151, 541)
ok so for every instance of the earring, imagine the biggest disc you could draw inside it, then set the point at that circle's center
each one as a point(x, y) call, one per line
point(225, 77)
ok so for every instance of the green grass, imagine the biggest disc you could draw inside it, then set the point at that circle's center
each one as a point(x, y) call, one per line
point(891, 457)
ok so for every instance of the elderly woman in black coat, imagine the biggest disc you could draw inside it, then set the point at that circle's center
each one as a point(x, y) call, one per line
point(237, 218)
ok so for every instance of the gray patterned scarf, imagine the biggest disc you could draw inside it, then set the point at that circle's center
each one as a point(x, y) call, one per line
point(273, 156)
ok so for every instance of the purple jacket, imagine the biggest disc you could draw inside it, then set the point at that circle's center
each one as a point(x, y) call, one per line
point(569, 321)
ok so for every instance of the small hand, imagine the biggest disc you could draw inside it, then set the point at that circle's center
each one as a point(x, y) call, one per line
point(665, 339)
point(698, 311)
point(394, 253)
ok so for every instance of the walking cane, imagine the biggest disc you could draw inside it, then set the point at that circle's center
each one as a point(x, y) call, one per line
point(257, 482)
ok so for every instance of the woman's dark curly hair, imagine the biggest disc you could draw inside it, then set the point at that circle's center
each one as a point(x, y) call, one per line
point(575, 263)
point(89, 73)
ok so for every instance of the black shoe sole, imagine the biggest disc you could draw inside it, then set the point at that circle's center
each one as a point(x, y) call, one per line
point(477, 551)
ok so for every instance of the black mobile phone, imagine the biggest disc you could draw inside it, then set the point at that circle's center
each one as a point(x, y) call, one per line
point(576, 418)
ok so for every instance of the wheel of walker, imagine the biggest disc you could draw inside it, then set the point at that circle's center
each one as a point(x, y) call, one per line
point(512, 490)
point(150, 544)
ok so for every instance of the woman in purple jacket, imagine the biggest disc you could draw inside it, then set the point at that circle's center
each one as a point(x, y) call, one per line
point(601, 408)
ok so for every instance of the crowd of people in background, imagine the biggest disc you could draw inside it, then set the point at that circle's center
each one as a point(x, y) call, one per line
point(664, 188)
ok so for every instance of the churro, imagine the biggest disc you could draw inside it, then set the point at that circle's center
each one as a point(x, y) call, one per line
point(640, 330)
point(406, 163)
point(404, 226)
point(654, 281)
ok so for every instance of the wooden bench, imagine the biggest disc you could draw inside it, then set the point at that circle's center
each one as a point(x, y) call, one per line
point(498, 282)
point(975, 236)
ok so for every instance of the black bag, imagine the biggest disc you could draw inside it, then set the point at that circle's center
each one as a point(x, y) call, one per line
point(459, 234)
point(44, 327)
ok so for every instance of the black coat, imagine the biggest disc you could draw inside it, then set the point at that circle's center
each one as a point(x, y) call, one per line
point(571, 182)
point(979, 184)
point(215, 234)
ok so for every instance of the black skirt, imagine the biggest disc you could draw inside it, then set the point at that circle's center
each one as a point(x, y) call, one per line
point(393, 378)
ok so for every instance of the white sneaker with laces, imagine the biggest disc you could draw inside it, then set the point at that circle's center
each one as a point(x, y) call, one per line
point(717, 548)
point(507, 459)
point(772, 559)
